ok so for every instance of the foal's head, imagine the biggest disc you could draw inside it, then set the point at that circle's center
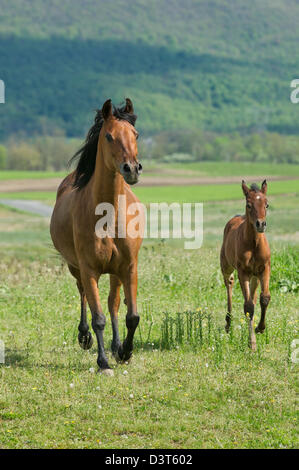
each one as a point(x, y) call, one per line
point(256, 205)
point(119, 142)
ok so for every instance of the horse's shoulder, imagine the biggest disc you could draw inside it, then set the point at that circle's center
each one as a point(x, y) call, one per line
point(234, 223)
point(66, 183)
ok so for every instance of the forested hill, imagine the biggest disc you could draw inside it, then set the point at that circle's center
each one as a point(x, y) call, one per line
point(223, 65)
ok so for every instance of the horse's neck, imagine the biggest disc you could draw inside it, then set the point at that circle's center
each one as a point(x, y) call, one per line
point(106, 185)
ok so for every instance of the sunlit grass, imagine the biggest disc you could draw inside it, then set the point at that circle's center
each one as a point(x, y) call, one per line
point(186, 370)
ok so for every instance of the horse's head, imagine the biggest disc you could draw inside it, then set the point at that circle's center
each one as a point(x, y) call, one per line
point(256, 205)
point(119, 142)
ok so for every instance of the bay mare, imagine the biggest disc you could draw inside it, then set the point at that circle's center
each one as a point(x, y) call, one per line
point(107, 165)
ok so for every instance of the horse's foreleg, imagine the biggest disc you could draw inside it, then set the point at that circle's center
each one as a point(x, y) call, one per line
point(254, 282)
point(264, 298)
point(113, 305)
point(84, 336)
point(129, 280)
point(90, 284)
point(228, 277)
point(248, 307)
point(229, 284)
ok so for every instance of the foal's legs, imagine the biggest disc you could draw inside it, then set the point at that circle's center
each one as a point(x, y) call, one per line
point(129, 280)
point(228, 276)
point(264, 298)
point(113, 305)
point(84, 337)
point(229, 284)
point(248, 307)
point(90, 284)
point(254, 282)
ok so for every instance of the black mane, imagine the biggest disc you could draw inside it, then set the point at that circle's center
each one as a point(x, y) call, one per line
point(254, 187)
point(88, 152)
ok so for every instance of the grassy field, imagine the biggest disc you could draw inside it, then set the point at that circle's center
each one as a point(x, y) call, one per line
point(228, 169)
point(189, 384)
point(204, 193)
point(204, 169)
point(20, 175)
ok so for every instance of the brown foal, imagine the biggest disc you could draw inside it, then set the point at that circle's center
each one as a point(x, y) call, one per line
point(245, 248)
point(108, 161)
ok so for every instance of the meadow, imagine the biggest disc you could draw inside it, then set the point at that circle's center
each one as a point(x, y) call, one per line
point(189, 384)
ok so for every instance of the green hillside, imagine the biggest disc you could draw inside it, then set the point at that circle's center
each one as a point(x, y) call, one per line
point(222, 65)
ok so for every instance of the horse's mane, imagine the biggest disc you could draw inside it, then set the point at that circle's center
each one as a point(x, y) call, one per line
point(86, 155)
point(254, 187)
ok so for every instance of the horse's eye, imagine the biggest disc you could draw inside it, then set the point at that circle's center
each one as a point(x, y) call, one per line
point(267, 205)
point(248, 205)
point(109, 137)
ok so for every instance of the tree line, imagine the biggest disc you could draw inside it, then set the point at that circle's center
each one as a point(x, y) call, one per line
point(52, 152)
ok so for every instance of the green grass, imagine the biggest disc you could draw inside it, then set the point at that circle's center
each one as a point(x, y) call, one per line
point(241, 169)
point(203, 193)
point(200, 193)
point(189, 384)
point(43, 196)
point(197, 169)
point(20, 175)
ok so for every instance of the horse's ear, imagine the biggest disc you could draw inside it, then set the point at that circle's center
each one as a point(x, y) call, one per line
point(264, 187)
point(129, 106)
point(245, 188)
point(107, 110)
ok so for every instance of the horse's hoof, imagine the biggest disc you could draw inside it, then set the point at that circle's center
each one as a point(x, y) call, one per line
point(117, 357)
point(227, 327)
point(115, 348)
point(259, 330)
point(122, 356)
point(85, 341)
point(108, 372)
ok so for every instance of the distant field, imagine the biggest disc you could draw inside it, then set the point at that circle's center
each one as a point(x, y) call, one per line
point(219, 192)
point(197, 169)
point(170, 194)
point(20, 175)
point(237, 169)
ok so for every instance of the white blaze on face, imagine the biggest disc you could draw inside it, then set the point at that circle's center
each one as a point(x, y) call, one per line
point(258, 197)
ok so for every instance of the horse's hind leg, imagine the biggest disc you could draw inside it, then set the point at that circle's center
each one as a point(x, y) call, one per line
point(84, 336)
point(113, 305)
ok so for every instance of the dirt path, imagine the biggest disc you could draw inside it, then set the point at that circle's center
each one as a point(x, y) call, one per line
point(35, 207)
point(51, 184)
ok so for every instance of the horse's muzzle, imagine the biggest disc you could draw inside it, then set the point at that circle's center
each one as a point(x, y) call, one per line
point(131, 172)
point(261, 226)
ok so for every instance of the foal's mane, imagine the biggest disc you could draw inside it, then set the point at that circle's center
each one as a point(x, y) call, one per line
point(86, 155)
point(254, 187)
